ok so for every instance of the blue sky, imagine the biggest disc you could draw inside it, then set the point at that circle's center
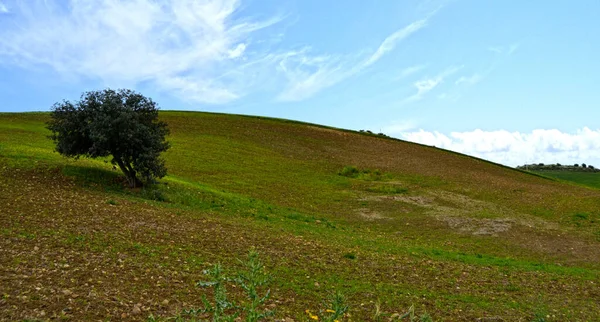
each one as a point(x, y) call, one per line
point(510, 81)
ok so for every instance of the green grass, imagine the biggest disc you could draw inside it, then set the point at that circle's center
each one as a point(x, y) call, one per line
point(458, 237)
point(589, 179)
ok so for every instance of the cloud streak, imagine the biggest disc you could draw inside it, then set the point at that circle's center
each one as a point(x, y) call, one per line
point(309, 74)
point(426, 85)
point(470, 80)
point(408, 71)
point(504, 50)
point(392, 40)
point(182, 46)
point(516, 148)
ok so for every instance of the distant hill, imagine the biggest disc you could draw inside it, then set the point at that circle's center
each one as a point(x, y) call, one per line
point(388, 222)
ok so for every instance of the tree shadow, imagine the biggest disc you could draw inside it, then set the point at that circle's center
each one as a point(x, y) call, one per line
point(110, 180)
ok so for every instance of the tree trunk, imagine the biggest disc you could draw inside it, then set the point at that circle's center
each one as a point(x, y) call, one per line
point(130, 174)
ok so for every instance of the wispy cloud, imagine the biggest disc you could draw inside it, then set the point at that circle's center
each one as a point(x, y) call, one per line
point(516, 148)
point(3, 8)
point(308, 74)
point(184, 46)
point(426, 85)
point(479, 76)
point(504, 50)
point(408, 71)
point(470, 80)
point(200, 50)
point(392, 40)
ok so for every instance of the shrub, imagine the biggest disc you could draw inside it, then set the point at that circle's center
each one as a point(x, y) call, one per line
point(349, 256)
point(364, 174)
point(349, 171)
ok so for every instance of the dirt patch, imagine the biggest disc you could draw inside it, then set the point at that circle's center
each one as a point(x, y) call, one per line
point(370, 215)
point(477, 226)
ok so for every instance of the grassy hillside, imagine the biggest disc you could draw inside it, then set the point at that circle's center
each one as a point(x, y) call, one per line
point(382, 220)
point(590, 179)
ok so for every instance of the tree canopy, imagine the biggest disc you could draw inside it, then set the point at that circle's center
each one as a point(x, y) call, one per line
point(122, 124)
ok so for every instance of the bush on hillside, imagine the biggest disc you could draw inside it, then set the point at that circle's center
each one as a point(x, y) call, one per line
point(123, 124)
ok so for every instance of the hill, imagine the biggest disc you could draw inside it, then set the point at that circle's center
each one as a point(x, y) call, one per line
point(383, 220)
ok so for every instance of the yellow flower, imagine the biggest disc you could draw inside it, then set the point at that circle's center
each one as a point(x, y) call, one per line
point(310, 315)
point(336, 320)
point(330, 311)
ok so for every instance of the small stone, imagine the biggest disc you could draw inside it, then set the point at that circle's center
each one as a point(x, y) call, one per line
point(137, 309)
point(165, 302)
point(36, 248)
point(67, 292)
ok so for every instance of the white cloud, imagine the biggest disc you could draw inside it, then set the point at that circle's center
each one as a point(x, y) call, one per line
point(515, 148)
point(470, 80)
point(504, 50)
point(186, 46)
point(308, 74)
point(409, 71)
point(3, 8)
point(238, 51)
point(426, 85)
point(392, 40)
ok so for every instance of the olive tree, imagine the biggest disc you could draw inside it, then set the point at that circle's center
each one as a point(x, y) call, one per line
point(122, 124)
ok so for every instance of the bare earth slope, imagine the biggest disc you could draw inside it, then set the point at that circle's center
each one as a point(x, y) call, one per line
point(458, 237)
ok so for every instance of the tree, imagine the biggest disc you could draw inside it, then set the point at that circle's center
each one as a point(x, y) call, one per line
point(123, 124)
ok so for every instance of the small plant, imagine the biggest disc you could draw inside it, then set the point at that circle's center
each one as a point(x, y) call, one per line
point(111, 202)
point(349, 171)
point(253, 278)
point(412, 317)
point(221, 308)
point(336, 308)
point(349, 256)
point(364, 174)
